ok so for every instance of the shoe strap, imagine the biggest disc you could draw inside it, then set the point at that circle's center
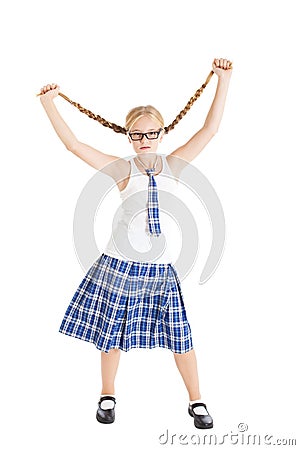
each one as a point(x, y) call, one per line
point(107, 397)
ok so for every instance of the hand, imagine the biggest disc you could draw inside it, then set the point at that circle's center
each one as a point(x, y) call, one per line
point(49, 91)
point(222, 67)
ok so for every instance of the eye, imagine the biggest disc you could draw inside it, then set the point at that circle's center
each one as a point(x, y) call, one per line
point(152, 134)
point(136, 136)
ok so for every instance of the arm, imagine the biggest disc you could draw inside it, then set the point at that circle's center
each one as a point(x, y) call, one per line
point(193, 147)
point(90, 155)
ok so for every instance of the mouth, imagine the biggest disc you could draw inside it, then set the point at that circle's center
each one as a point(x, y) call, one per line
point(145, 147)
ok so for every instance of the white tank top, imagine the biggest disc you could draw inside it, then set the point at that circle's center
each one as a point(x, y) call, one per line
point(132, 217)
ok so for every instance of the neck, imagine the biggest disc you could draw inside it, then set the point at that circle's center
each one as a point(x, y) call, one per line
point(148, 160)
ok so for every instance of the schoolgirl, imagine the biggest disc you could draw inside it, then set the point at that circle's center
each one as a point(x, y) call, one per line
point(124, 301)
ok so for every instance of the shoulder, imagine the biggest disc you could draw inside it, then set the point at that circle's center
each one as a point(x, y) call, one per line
point(118, 169)
point(115, 166)
point(176, 164)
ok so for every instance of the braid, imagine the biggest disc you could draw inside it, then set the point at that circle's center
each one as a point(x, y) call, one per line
point(119, 129)
point(189, 104)
point(105, 123)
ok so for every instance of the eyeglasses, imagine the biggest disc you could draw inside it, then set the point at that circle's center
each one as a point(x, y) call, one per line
point(149, 135)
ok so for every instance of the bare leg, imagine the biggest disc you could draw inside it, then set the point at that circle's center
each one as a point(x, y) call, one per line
point(109, 366)
point(187, 366)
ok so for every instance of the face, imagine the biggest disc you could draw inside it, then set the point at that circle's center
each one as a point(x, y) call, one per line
point(144, 145)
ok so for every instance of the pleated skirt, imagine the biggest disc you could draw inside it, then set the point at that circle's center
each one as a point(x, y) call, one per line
point(128, 304)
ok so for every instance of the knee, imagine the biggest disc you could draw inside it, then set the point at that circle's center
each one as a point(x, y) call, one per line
point(186, 355)
point(113, 351)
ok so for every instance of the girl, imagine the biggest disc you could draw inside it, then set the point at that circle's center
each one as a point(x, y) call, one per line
point(125, 302)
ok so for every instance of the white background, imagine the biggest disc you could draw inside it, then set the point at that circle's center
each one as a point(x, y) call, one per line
point(111, 56)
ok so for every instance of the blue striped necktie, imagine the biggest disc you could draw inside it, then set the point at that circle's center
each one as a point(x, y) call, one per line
point(153, 207)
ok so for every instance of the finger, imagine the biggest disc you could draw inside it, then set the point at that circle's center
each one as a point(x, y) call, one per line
point(217, 62)
point(222, 63)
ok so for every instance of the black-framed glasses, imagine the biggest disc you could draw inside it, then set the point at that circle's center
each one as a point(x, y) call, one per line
point(136, 136)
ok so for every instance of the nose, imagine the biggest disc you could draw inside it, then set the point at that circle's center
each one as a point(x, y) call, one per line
point(143, 139)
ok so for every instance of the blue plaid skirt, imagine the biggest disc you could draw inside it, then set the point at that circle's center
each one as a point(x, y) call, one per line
point(128, 304)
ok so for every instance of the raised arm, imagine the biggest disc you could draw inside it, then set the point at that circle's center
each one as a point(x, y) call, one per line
point(90, 155)
point(193, 147)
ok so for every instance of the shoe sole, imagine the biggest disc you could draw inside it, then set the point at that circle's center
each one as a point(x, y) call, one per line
point(203, 427)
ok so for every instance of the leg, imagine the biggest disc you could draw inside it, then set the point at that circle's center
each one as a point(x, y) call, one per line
point(109, 366)
point(187, 366)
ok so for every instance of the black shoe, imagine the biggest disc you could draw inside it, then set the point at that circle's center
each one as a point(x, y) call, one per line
point(106, 415)
point(200, 420)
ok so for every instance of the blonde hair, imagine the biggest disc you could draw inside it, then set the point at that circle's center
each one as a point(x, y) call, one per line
point(141, 111)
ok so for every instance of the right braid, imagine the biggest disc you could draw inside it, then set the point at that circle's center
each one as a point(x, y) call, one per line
point(104, 122)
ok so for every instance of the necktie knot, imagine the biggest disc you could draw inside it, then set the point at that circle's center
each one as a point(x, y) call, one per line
point(150, 171)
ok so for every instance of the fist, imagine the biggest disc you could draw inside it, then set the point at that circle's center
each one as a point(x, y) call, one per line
point(222, 67)
point(49, 91)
